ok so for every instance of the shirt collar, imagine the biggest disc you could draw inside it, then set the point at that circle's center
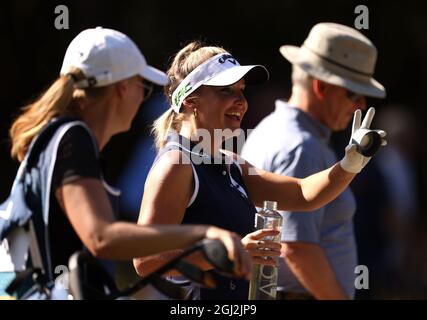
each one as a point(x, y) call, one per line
point(189, 145)
point(314, 126)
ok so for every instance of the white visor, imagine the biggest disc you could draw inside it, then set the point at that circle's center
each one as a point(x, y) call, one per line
point(220, 70)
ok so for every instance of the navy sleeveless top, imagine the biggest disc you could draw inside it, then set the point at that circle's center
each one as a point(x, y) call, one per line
point(221, 199)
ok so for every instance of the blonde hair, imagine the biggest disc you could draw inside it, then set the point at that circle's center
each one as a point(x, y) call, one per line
point(185, 61)
point(61, 98)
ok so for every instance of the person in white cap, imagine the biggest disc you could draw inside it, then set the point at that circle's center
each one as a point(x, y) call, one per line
point(193, 181)
point(102, 83)
point(332, 74)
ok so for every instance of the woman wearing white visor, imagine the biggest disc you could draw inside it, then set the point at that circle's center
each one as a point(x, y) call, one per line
point(102, 83)
point(188, 184)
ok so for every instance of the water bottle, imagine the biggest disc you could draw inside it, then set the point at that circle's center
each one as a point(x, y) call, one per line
point(263, 285)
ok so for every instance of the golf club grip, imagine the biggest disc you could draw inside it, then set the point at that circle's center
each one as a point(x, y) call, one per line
point(216, 253)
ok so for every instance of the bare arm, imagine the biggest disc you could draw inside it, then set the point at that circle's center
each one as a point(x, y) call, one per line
point(317, 190)
point(167, 192)
point(293, 194)
point(88, 209)
point(308, 262)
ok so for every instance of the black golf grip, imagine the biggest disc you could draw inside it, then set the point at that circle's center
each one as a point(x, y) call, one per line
point(216, 253)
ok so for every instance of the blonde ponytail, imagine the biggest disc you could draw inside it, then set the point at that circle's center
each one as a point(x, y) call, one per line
point(53, 102)
point(185, 61)
point(161, 127)
point(61, 98)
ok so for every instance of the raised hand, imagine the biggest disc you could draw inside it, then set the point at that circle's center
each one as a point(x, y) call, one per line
point(364, 142)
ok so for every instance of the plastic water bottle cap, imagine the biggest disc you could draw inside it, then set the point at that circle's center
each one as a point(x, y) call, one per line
point(270, 205)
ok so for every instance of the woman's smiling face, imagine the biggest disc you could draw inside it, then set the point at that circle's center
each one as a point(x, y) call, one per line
point(221, 107)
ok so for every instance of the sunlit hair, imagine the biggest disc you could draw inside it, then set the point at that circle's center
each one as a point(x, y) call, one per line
point(61, 98)
point(185, 61)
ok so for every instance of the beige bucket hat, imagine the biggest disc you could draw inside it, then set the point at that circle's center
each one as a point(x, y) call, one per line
point(339, 55)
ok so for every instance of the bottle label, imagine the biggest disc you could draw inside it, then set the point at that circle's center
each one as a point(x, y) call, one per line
point(268, 282)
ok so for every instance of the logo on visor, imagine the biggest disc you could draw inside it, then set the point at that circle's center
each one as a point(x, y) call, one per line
point(181, 93)
point(227, 57)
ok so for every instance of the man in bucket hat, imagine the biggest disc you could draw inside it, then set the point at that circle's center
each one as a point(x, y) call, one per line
point(332, 75)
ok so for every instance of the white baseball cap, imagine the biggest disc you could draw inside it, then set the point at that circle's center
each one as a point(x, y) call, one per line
point(220, 70)
point(106, 56)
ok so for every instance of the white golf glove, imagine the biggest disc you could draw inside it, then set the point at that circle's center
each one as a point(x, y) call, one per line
point(354, 161)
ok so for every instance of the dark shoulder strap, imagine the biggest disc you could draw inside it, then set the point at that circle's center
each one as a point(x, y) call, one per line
point(178, 142)
point(45, 135)
point(38, 145)
point(16, 212)
point(174, 142)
